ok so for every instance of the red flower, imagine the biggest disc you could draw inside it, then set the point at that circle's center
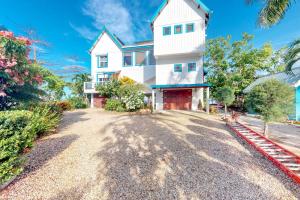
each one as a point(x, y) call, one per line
point(24, 40)
point(7, 34)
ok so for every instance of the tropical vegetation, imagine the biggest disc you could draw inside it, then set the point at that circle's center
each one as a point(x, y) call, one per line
point(273, 100)
point(226, 96)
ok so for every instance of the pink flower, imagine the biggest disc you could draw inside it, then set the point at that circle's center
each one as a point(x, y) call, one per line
point(2, 93)
point(24, 40)
point(7, 34)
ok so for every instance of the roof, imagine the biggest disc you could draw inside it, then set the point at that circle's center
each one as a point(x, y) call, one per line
point(292, 79)
point(165, 2)
point(114, 38)
point(181, 86)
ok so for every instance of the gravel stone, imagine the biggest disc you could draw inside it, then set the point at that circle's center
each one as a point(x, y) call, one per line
point(174, 155)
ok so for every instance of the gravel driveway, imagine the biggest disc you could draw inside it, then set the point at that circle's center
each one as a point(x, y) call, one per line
point(175, 155)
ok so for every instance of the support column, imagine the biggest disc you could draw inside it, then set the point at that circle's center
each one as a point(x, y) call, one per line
point(207, 100)
point(153, 100)
point(92, 100)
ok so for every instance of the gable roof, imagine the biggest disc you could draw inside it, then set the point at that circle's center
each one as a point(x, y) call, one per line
point(165, 2)
point(114, 38)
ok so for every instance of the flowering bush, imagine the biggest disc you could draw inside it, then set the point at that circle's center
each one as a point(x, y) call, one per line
point(15, 67)
point(132, 97)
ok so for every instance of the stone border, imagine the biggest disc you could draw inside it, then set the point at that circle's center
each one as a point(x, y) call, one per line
point(7, 183)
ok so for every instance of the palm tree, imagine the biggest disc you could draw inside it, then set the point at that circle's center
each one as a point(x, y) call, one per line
point(293, 55)
point(272, 12)
point(78, 83)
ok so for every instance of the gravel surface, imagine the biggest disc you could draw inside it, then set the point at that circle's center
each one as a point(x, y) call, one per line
point(175, 155)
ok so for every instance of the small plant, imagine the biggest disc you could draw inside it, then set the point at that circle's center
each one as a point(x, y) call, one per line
point(64, 105)
point(78, 103)
point(226, 96)
point(114, 105)
point(273, 100)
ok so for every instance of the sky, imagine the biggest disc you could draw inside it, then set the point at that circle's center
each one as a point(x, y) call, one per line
point(64, 30)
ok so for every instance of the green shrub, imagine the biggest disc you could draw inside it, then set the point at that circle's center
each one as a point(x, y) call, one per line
point(78, 103)
point(114, 105)
point(132, 97)
point(64, 105)
point(13, 140)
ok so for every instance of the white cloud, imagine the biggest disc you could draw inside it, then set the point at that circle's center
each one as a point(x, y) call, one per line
point(113, 14)
point(85, 32)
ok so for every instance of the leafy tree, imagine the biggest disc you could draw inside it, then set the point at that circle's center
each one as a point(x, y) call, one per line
point(273, 11)
point(110, 89)
point(236, 64)
point(273, 100)
point(293, 55)
point(78, 84)
point(226, 96)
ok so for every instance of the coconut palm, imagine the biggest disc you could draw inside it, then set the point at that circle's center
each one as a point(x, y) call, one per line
point(273, 11)
point(293, 55)
point(78, 83)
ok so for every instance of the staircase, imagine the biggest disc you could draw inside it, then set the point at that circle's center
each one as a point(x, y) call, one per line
point(285, 160)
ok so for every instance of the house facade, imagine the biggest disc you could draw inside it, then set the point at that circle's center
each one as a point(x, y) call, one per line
point(170, 65)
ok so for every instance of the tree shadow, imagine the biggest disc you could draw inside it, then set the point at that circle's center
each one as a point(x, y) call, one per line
point(70, 118)
point(43, 151)
point(147, 158)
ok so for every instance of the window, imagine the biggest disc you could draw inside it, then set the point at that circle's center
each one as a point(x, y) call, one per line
point(189, 28)
point(177, 29)
point(140, 58)
point(178, 68)
point(152, 60)
point(102, 61)
point(167, 30)
point(127, 59)
point(103, 78)
point(192, 67)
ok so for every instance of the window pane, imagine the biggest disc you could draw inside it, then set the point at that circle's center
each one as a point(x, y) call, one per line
point(191, 67)
point(178, 68)
point(102, 61)
point(127, 59)
point(189, 28)
point(140, 58)
point(178, 29)
point(152, 60)
point(167, 30)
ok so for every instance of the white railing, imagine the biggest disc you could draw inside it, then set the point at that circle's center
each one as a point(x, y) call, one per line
point(90, 87)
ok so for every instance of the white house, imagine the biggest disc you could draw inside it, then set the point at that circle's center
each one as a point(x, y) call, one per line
point(171, 64)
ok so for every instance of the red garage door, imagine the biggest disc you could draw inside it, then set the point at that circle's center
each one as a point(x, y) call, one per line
point(177, 99)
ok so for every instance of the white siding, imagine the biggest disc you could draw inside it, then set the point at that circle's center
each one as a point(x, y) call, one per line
point(165, 74)
point(179, 12)
point(103, 47)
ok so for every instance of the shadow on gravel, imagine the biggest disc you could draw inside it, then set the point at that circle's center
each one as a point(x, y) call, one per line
point(45, 150)
point(151, 158)
point(70, 118)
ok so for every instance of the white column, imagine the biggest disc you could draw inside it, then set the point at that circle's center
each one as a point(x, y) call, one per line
point(153, 100)
point(207, 100)
point(92, 100)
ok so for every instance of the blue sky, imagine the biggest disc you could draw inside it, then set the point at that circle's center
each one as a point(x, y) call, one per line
point(70, 26)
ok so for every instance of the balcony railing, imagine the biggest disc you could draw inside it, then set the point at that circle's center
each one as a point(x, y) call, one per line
point(90, 87)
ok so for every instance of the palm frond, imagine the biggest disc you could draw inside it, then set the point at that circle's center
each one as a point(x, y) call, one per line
point(273, 12)
point(293, 55)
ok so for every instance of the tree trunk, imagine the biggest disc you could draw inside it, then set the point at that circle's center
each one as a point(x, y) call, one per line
point(266, 130)
point(225, 111)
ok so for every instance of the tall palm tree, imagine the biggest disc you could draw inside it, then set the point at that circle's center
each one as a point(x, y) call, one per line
point(273, 11)
point(293, 55)
point(78, 83)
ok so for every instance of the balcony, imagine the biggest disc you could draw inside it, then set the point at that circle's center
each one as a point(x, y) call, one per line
point(90, 87)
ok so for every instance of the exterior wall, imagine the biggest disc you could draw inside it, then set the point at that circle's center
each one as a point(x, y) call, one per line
point(159, 102)
point(179, 12)
point(197, 97)
point(103, 47)
point(165, 74)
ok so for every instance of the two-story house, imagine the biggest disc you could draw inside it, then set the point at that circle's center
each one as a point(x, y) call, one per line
point(171, 64)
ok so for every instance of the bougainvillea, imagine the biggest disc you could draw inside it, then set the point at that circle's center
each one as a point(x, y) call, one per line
point(15, 65)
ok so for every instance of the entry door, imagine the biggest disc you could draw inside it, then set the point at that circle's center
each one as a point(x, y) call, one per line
point(177, 99)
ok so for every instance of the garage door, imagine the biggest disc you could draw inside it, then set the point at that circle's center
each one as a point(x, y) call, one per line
point(177, 99)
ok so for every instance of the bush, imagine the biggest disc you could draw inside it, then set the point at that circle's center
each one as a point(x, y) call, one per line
point(109, 89)
point(78, 103)
point(64, 105)
point(114, 105)
point(132, 97)
point(13, 140)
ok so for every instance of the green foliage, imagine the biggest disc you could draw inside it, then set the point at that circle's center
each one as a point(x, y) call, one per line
point(110, 89)
point(78, 102)
point(78, 84)
point(18, 130)
point(225, 95)
point(132, 97)
point(64, 105)
point(235, 64)
point(13, 140)
point(293, 55)
point(272, 12)
point(273, 100)
point(114, 105)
